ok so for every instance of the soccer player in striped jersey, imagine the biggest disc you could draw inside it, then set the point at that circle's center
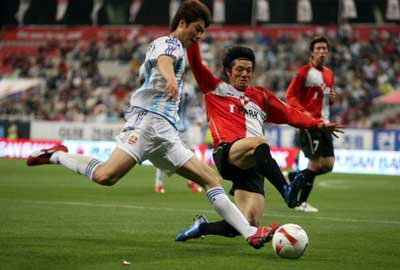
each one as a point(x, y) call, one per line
point(150, 132)
point(237, 112)
point(312, 91)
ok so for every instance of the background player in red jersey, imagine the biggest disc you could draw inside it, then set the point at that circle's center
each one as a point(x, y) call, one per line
point(236, 113)
point(311, 91)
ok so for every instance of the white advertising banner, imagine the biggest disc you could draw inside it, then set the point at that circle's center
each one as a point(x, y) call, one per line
point(362, 162)
point(50, 130)
point(353, 138)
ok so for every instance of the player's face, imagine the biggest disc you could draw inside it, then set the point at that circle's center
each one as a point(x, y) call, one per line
point(191, 32)
point(319, 53)
point(240, 74)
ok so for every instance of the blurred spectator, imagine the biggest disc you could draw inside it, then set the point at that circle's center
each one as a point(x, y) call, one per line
point(77, 91)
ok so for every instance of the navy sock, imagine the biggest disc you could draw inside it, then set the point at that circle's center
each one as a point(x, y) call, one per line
point(291, 176)
point(306, 190)
point(222, 228)
point(268, 167)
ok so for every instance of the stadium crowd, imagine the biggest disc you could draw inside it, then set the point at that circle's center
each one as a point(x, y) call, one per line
point(76, 90)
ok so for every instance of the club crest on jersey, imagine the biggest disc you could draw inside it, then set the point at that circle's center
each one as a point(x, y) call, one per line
point(244, 100)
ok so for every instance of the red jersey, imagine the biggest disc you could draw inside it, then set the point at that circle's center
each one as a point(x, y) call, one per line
point(233, 114)
point(309, 90)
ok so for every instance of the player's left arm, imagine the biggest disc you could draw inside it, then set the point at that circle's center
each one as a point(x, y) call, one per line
point(280, 113)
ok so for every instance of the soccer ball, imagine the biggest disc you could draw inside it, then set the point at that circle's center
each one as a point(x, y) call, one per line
point(290, 241)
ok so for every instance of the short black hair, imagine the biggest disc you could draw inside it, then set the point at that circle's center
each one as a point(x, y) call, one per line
point(191, 11)
point(317, 39)
point(238, 52)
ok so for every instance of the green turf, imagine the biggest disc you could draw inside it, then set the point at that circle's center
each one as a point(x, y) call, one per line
point(51, 218)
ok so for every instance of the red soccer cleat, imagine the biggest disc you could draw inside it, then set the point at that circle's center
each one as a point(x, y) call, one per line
point(159, 188)
point(195, 187)
point(42, 156)
point(263, 235)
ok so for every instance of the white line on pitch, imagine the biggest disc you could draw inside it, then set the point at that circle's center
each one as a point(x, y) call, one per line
point(194, 211)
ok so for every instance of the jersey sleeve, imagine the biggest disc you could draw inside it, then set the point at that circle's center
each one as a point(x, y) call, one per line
point(166, 46)
point(205, 79)
point(280, 113)
point(294, 90)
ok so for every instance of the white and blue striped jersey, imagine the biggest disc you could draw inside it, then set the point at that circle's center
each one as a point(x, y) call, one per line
point(150, 96)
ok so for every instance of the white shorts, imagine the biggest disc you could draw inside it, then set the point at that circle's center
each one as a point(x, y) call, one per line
point(186, 139)
point(192, 136)
point(148, 136)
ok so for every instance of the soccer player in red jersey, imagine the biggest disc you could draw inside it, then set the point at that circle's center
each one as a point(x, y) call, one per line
point(311, 91)
point(237, 112)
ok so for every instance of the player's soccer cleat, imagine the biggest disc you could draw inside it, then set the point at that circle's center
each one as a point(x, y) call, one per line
point(306, 207)
point(195, 187)
point(159, 188)
point(194, 230)
point(292, 191)
point(42, 156)
point(263, 235)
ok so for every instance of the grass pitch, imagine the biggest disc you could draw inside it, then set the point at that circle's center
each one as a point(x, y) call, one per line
point(51, 218)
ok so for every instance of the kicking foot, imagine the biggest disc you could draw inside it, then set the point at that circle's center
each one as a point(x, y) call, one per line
point(42, 156)
point(263, 235)
point(194, 230)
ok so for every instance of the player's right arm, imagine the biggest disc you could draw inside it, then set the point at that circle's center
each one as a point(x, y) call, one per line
point(205, 79)
point(165, 65)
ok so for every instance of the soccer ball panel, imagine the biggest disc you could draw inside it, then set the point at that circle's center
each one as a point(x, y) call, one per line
point(290, 241)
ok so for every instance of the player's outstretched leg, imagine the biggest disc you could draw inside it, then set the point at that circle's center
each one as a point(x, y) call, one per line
point(263, 235)
point(292, 191)
point(42, 156)
point(193, 231)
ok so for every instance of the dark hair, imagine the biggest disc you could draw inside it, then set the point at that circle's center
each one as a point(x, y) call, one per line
point(190, 11)
point(317, 39)
point(238, 52)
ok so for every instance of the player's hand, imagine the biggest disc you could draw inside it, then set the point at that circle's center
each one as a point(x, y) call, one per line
point(332, 128)
point(171, 90)
point(332, 97)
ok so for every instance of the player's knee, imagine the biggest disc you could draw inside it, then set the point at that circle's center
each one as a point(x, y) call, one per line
point(257, 141)
point(326, 166)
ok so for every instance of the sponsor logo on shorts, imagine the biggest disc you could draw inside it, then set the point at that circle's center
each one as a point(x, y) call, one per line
point(132, 139)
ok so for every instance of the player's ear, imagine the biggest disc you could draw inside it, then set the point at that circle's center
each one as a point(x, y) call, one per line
point(228, 72)
point(182, 23)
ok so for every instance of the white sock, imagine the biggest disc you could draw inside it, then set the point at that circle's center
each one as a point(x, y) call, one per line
point(78, 163)
point(229, 211)
point(159, 177)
